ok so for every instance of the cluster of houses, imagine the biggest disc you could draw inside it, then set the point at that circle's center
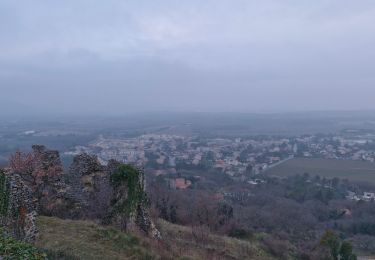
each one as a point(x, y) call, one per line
point(232, 156)
point(166, 153)
point(366, 196)
point(359, 147)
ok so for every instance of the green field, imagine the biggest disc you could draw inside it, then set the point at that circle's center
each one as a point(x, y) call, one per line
point(357, 171)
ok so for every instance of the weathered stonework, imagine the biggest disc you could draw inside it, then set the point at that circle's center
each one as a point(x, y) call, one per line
point(50, 187)
point(89, 186)
point(30, 228)
point(82, 176)
point(39, 185)
point(140, 220)
point(20, 220)
point(145, 224)
point(47, 160)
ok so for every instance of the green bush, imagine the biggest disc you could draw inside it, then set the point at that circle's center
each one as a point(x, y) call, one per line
point(241, 233)
point(11, 248)
point(339, 249)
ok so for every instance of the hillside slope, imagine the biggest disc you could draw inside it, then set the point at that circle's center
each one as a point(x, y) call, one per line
point(68, 239)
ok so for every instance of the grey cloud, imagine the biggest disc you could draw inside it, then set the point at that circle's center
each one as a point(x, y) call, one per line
point(115, 56)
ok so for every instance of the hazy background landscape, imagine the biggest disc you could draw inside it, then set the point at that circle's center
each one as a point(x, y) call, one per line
point(63, 132)
point(237, 129)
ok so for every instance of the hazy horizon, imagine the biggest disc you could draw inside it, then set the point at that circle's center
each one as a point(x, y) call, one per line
point(115, 57)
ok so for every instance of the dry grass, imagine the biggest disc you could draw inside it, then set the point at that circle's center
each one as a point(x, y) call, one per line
point(197, 243)
point(68, 239)
point(86, 240)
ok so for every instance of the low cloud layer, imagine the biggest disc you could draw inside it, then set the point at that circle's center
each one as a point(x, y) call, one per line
point(113, 57)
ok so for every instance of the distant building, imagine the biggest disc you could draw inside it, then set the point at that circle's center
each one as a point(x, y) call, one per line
point(352, 196)
point(368, 196)
point(179, 183)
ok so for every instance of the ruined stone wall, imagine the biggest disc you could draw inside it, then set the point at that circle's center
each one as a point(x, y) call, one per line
point(81, 177)
point(85, 191)
point(50, 187)
point(47, 160)
point(19, 219)
point(140, 219)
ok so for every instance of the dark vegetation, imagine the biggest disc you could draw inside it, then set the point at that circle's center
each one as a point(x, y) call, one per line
point(11, 248)
point(288, 215)
point(338, 249)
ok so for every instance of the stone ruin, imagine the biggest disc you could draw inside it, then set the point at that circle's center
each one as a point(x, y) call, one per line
point(49, 181)
point(89, 183)
point(19, 217)
point(84, 192)
point(85, 176)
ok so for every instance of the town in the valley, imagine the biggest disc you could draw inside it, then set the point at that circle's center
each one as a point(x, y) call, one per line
point(240, 158)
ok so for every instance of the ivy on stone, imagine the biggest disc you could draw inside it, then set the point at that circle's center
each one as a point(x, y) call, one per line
point(130, 177)
point(4, 194)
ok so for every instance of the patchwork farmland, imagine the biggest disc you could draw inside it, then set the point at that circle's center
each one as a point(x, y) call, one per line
point(357, 171)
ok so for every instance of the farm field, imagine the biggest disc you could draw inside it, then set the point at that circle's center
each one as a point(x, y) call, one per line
point(357, 171)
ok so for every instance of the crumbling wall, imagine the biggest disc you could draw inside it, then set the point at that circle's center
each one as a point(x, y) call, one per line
point(49, 187)
point(129, 202)
point(89, 186)
point(86, 191)
point(144, 222)
point(47, 161)
point(19, 217)
point(81, 177)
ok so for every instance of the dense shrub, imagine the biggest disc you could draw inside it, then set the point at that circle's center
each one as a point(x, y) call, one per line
point(13, 249)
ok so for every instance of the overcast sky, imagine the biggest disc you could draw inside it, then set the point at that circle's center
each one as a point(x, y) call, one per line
point(118, 56)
